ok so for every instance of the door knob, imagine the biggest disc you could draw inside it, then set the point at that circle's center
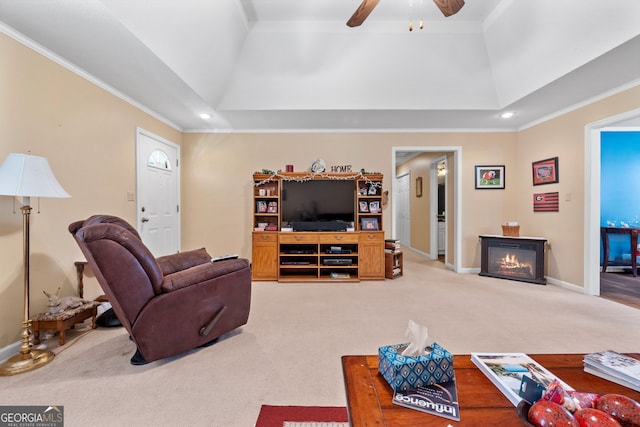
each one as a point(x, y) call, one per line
point(145, 219)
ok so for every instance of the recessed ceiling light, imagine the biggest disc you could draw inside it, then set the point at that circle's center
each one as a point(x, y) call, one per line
point(205, 116)
point(507, 114)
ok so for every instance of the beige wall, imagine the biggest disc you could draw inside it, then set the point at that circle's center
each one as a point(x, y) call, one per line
point(88, 135)
point(216, 181)
point(563, 137)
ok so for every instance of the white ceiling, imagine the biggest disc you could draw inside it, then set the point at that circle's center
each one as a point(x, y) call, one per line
point(263, 65)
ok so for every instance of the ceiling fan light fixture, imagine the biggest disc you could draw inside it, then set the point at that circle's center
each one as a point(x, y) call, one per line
point(447, 7)
point(411, 15)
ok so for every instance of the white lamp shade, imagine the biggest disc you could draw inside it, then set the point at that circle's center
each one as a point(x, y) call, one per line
point(29, 176)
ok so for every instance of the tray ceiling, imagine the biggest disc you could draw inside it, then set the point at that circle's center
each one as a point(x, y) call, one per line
point(294, 65)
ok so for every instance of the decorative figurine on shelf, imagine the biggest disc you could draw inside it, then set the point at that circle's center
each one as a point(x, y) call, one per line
point(318, 166)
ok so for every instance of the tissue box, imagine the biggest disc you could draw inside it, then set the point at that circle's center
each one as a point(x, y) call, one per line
point(405, 372)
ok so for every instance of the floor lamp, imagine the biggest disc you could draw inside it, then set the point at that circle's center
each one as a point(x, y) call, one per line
point(27, 176)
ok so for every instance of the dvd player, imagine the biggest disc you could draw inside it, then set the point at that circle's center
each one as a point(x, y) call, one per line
point(337, 261)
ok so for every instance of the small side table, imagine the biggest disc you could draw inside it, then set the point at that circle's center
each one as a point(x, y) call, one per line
point(64, 320)
point(633, 233)
point(393, 264)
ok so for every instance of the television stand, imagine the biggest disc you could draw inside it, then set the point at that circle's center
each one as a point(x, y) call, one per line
point(307, 252)
point(289, 256)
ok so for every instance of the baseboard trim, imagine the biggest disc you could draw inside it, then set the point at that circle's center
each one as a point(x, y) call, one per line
point(550, 281)
point(10, 350)
point(419, 252)
point(566, 285)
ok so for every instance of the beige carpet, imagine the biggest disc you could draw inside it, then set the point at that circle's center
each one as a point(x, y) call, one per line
point(289, 352)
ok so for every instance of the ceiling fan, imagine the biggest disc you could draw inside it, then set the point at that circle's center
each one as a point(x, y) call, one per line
point(447, 7)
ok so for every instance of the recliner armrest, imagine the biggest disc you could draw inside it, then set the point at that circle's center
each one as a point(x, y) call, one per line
point(201, 273)
point(173, 263)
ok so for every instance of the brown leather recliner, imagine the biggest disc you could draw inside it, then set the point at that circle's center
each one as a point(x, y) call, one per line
point(169, 304)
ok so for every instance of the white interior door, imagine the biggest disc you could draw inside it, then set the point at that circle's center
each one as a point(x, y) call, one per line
point(403, 190)
point(158, 182)
point(438, 230)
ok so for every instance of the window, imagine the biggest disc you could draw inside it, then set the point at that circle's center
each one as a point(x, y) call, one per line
point(158, 159)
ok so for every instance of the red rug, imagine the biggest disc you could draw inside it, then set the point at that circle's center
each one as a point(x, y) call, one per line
point(275, 416)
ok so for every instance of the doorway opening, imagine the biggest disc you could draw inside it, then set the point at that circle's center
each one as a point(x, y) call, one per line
point(451, 158)
point(438, 203)
point(591, 260)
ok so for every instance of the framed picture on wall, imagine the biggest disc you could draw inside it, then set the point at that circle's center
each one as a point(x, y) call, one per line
point(545, 171)
point(490, 177)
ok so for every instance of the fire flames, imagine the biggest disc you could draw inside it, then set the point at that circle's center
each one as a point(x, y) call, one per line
point(510, 265)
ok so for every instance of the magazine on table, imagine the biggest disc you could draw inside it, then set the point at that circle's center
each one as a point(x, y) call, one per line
point(505, 370)
point(436, 399)
point(614, 367)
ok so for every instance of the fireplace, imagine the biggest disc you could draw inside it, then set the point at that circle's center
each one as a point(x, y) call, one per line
point(514, 258)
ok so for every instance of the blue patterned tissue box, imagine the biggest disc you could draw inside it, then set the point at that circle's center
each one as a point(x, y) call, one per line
point(405, 372)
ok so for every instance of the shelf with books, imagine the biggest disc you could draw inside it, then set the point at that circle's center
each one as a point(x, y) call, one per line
point(393, 264)
point(393, 259)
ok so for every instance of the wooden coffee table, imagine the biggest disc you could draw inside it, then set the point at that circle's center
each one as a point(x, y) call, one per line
point(369, 396)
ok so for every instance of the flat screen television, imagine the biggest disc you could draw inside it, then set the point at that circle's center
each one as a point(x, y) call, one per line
point(319, 205)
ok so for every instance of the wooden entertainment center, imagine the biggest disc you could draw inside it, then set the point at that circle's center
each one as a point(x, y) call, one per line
point(282, 254)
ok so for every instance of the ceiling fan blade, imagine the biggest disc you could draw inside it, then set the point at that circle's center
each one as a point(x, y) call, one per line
point(362, 12)
point(449, 7)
